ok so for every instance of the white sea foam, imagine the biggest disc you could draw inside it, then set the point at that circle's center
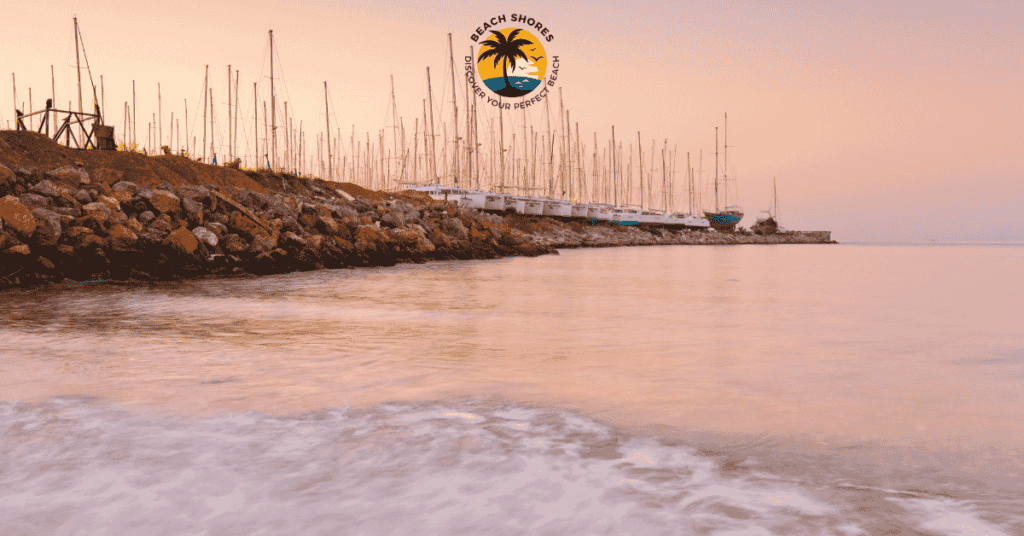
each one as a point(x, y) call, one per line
point(72, 464)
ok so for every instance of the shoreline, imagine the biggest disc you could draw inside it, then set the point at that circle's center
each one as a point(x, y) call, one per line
point(70, 217)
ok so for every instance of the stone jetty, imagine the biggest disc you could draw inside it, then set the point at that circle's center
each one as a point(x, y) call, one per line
point(68, 216)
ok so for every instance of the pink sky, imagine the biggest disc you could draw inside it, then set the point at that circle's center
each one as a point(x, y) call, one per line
point(881, 122)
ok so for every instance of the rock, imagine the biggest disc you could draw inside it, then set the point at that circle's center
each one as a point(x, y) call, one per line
point(45, 187)
point(97, 207)
point(16, 217)
point(162, 225)
point(83, 197)
point(244, 226)
point(114, 204)
point(455, 228)
point(289, 223)
point(165, 202)
point(233, 243)
point(183, 241)
point(391, 219)
point(412, 239)
point(48, 226)
point(218, 229)
point(307, 220)
point(147, 217)
point(121, 237)
point(343, 211)
point(326, 225)
point(69, 175)
point(262, 244)
point(193, 210)
point(20, 249)
point(35, 200)
point(66, 199)
point(205, 236)
point(124, 186)
point(135, 225)
point(291, 241)
point(7, 178)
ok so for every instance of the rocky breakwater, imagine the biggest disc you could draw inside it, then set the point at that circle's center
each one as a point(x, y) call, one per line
point(115, 230)
point(551, 233)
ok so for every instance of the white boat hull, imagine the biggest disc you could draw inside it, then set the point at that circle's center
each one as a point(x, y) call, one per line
point(557, 209)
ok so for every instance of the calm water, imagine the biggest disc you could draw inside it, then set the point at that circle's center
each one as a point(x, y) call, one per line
point(663, 390)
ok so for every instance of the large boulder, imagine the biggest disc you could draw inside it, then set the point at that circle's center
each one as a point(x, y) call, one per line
point(16, 217)
point(245, 227)
point(45, 187)
point(161, 226)
point(121, 237)
point(412, 239)
point(69, 175)
point(454, 227)
point(205, 236)
point(193, 210)
point(47, 226)
point(165, 202)
point(233, 243)
point(7, 178)
point(183, 241)
point(35, 200)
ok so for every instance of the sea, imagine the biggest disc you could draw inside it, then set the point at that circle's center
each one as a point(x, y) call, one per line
point(849, 389)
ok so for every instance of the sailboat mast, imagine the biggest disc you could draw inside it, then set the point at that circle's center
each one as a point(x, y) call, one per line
point(615, 188)
point(551, 151)
point(327, 114)
point(455, 115)
point(501, 127)
point(273, 102)
point(725, 163)
point(433, 146)
point(206, 80)
point(640, 148)
point(716, 169)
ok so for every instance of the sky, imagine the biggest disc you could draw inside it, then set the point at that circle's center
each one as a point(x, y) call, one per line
point(880, 121)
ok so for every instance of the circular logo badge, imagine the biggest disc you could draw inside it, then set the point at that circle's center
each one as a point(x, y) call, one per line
point(512, 62)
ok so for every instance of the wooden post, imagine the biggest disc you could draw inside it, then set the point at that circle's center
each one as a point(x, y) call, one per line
point(266, 135)
point(15, 84)
point(135, 115)
point(103, 95)
point(160, 109)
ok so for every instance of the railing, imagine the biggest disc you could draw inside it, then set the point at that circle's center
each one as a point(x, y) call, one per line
point(91, 135)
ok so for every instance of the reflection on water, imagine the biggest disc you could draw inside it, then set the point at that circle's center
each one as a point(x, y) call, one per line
point(841, 369)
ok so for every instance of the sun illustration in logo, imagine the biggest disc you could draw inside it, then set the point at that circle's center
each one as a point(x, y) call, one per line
point(512, 62)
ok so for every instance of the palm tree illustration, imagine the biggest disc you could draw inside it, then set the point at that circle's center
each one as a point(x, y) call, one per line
point(506, 51)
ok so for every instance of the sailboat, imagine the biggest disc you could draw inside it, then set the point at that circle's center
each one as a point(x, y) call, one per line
point(767, 222)
point(724, 220)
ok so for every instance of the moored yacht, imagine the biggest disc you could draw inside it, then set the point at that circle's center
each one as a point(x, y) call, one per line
point(494, 202)
point(626, 216)
point(534, 206)
point(600, 212)
point(579, 211)
point(557, 208)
